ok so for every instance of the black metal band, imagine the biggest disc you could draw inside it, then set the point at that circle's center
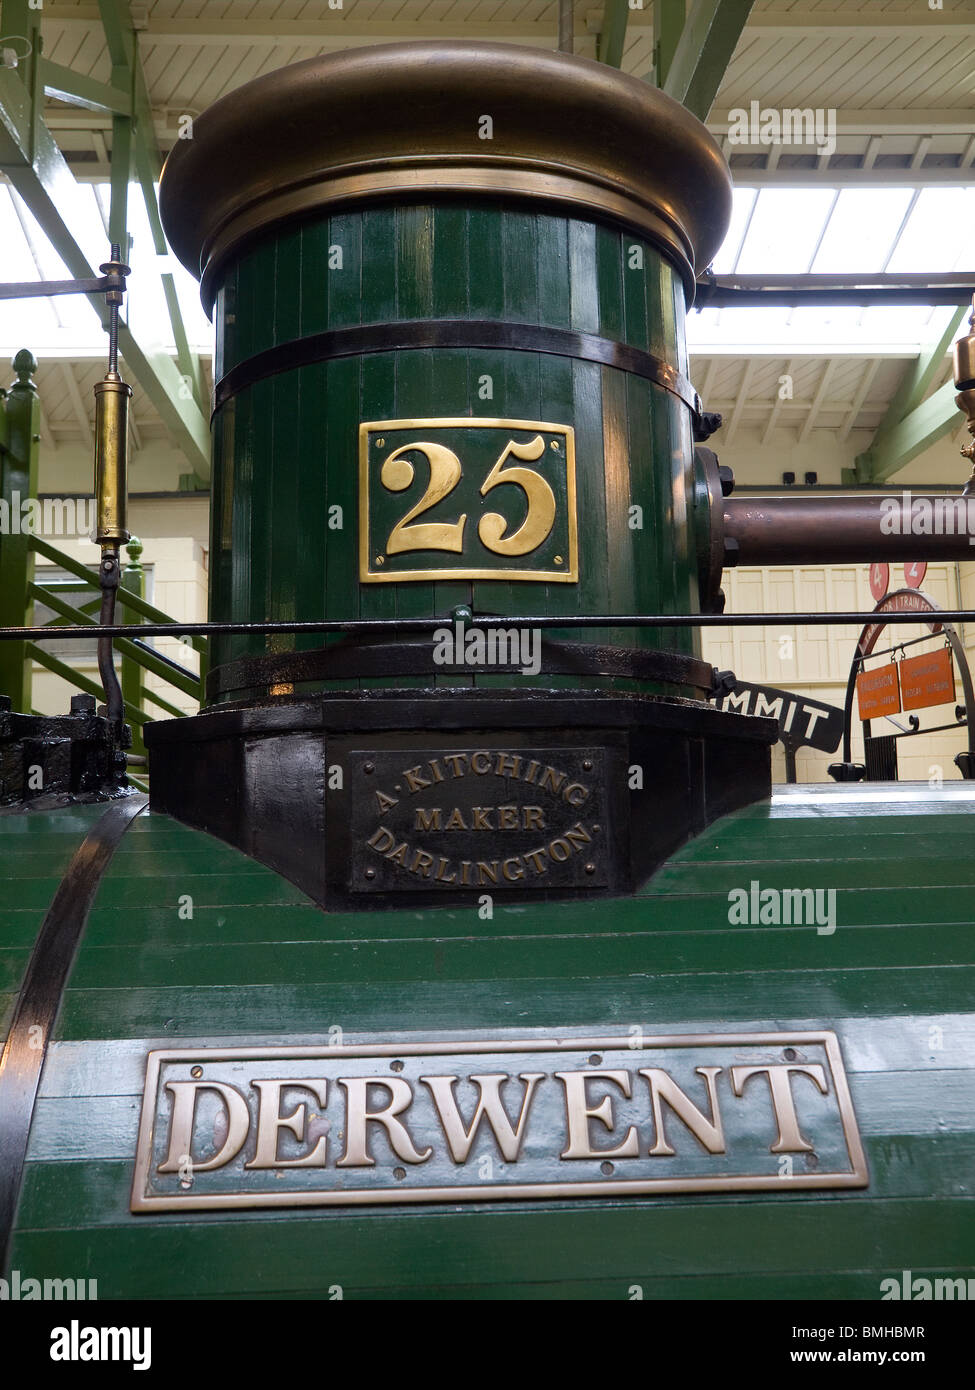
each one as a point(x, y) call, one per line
point(40, 1000)
point(455, 333)
point(364, 661)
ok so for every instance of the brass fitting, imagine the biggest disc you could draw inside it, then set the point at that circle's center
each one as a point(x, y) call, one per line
point(111, 443)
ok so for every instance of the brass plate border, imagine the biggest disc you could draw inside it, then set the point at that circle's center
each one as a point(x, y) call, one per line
point(370, 576)
point(857, 1177)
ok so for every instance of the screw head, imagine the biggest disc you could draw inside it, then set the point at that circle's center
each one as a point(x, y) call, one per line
point(590, 868)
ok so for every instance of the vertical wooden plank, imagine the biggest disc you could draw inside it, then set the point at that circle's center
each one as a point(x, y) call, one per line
point(635, 328)
point(453, 393)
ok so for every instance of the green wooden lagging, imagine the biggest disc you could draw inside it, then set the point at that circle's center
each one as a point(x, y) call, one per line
point(285, 449)
point(257, 960)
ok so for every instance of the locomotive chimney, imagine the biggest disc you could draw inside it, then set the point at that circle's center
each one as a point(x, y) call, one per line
point(451, 383)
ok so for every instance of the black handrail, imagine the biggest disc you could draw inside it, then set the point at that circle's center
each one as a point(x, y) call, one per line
point(380, 626)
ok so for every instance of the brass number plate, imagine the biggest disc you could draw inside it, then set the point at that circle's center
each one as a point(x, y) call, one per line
point(464, 498)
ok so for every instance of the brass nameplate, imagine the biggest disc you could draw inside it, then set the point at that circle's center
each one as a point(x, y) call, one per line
point(467, 498)
point(485, 818)
point(491, 1118)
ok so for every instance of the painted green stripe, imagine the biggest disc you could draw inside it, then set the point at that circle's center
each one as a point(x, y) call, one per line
point(497, 1002)
point(615, 1242)
point(598, 956)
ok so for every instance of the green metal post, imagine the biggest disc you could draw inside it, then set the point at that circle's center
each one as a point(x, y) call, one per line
point(705, 48)
point(18, 482)
point(133, 579)
point(20, 25)
point(668, 21)
point(612, 39)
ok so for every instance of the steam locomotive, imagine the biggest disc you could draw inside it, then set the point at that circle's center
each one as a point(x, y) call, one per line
point(432, 969)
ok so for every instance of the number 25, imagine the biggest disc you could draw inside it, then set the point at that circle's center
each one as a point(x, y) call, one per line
point(397, 474)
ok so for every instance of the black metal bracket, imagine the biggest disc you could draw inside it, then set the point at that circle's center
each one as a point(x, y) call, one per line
point(111, 281)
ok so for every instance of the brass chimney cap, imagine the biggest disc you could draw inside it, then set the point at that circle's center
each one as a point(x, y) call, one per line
point(401, 122)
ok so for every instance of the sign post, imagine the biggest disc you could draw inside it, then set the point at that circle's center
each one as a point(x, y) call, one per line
point(802, 722)
point(922, 684)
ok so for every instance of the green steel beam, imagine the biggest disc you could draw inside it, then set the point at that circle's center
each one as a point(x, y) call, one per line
point(67, 85)
point(127, 69)
point(120, 175)
point(918, 379)
point(904, 407)
point(668, 21)
point(19, 436)
point(47, 185)
point(612, 36)
point(124, 53)
point(917, 431)
point(708, 40)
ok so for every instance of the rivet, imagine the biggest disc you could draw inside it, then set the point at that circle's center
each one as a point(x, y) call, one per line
point(399, 1174)
point(790, 1054)
point(587, 765)
point(595, 1059)
point(369, 767)
point(590, 868)
point(396, 1066)
point(370, 873)
point(606, 1169)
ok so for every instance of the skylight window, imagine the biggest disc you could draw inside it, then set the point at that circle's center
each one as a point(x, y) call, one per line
point(781, 231)
point(65, 325)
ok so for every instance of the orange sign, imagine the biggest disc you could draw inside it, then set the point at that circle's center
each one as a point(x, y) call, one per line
point(878, 692)
point(928, 680)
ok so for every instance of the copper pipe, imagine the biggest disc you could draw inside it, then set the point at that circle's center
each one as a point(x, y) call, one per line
point(843, 530)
